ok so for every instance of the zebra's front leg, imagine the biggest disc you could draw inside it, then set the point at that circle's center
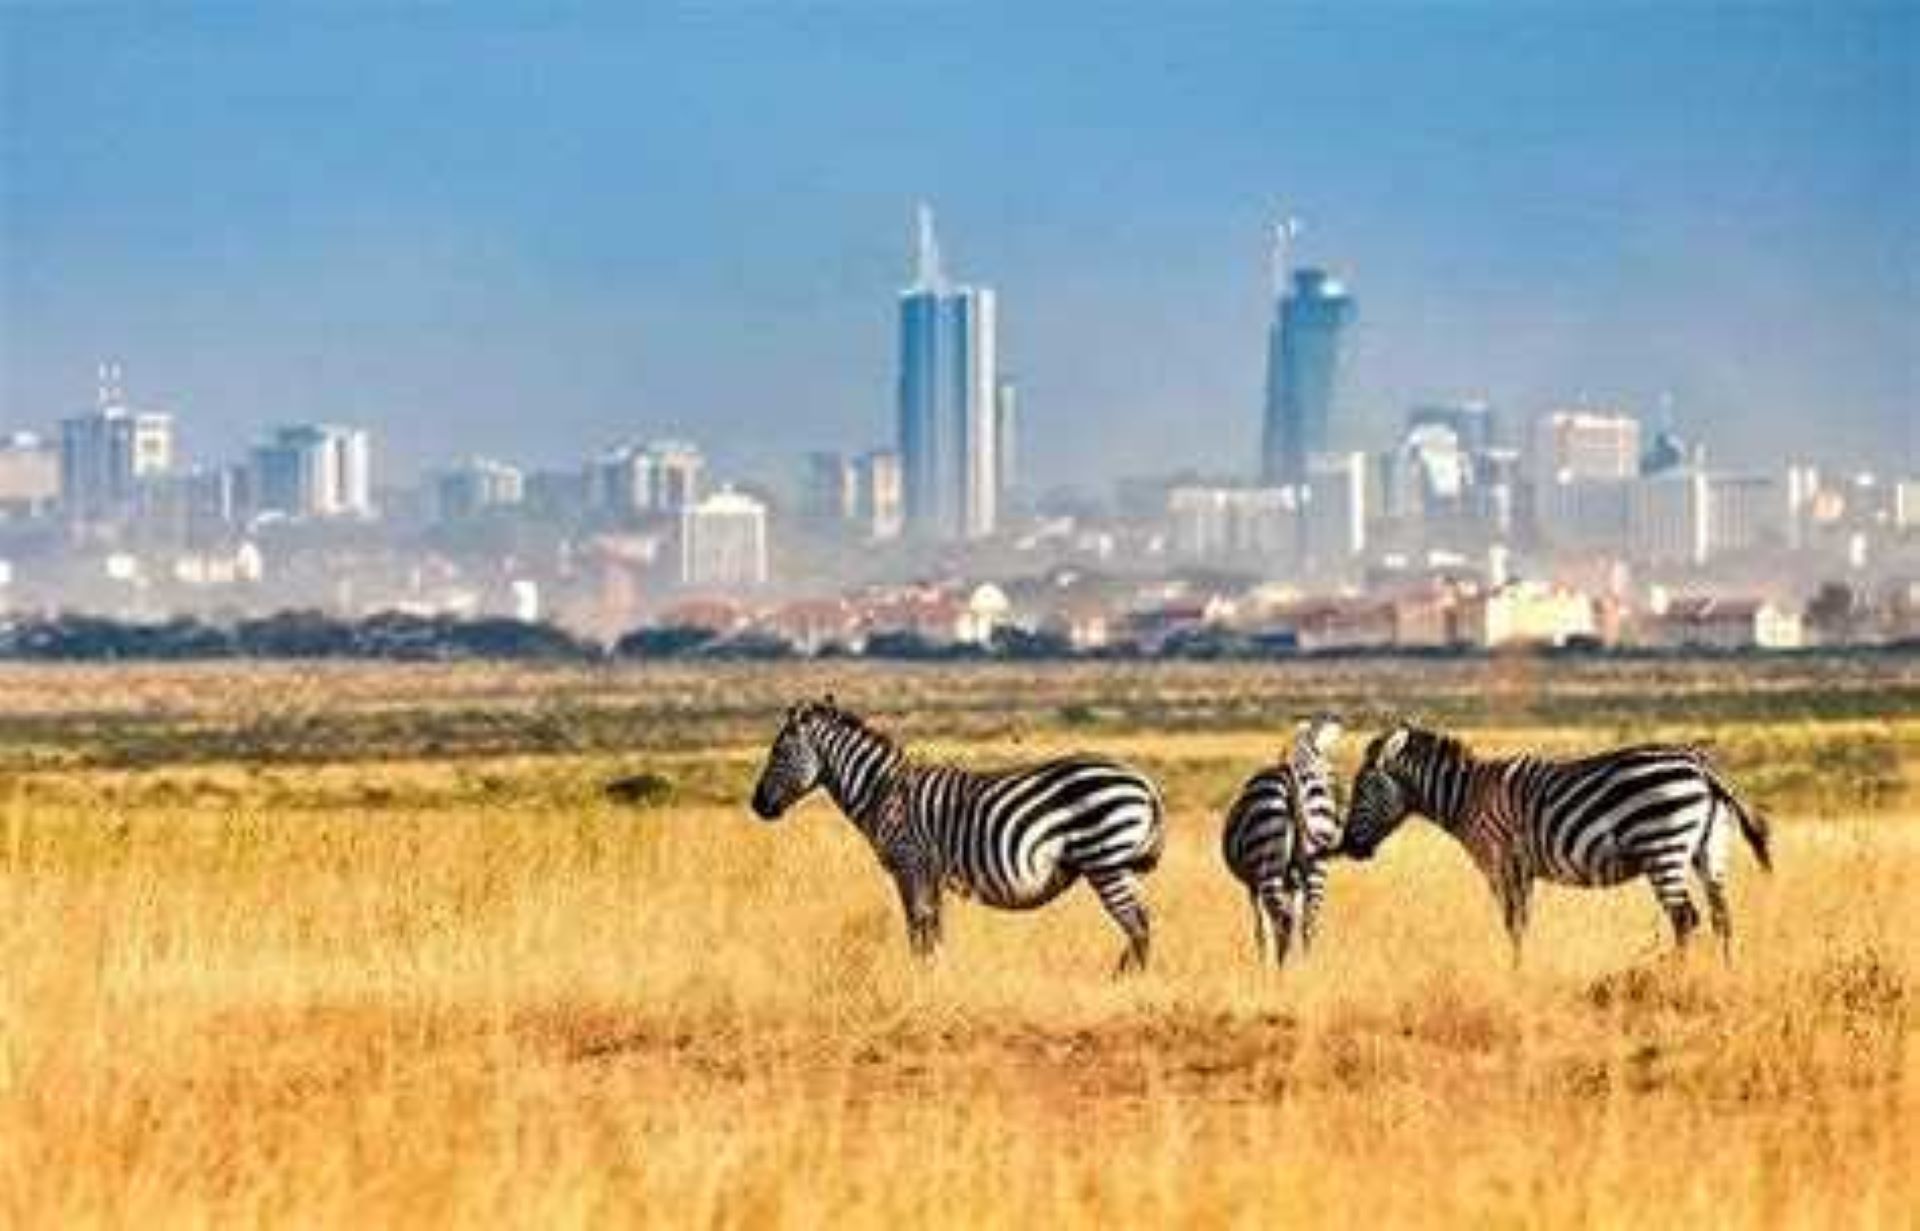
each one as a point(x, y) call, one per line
point(1313, 893)
point(1514, 888)
point(1119, 891)
point(920, 900)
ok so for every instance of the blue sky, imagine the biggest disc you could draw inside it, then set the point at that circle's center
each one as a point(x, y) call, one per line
point(531, 231)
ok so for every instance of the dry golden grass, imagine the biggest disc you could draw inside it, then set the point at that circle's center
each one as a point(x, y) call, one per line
point(284, 1002)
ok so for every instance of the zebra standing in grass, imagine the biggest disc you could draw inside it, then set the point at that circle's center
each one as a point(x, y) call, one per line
point(1653, 810)
point(1015, 839)
point(1278, 835)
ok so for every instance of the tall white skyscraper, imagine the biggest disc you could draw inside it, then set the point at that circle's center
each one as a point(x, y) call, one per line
point(948, 400)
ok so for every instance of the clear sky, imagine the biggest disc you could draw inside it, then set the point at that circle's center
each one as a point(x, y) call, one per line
point(534, 230)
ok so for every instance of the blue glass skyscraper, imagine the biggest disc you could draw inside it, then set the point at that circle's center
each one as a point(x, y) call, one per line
point(949, 384)
point(1304, 355)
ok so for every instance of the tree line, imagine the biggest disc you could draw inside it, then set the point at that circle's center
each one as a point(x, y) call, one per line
point(400, 636)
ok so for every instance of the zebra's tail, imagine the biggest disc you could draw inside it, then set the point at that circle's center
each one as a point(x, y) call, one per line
point(1753, 823)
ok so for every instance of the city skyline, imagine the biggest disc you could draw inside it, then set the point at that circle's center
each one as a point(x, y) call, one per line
point(492, 227)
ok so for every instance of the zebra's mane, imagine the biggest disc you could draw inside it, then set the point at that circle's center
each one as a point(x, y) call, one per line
point(1424, 743)
point(840, 719)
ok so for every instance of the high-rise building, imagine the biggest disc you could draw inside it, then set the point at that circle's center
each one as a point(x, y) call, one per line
point(197, 508)
point(723, 541)
point(106, 454)
point(1006, 409)
point(659, 478)
point(830, 491)
point(1585, 516)
point(1668, 518)
point(1472, 422)
point(1745, 513)
point(1335, 510)
point(948, 401)
point(879, 496)
point(1576, 445)
point(29, 476)
point(1305, 349)
point(314, 471)
point(477, 486)
point(1246, 525)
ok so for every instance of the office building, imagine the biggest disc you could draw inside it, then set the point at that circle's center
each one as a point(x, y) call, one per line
point(315, 471)
point(29, 476)
point(1335, 511)
point(476, 487)
point(723, 541)
point(1667, 518)
point(1248, 525)
point(879, 494)
point(830, 490)
point(1745, 513)
point(656, 479)
point(948, 401)
point(1471, 422)
point(1572, 446)
point(107, 453)
point(1305, 353)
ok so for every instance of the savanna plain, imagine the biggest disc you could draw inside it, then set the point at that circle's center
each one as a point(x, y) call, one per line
point(371, 945)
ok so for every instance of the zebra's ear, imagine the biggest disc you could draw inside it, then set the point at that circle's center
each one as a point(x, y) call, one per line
point(1396, 740)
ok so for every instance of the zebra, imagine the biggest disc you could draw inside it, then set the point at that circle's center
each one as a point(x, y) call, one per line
point(1278, 834)
point(1652, 810)
point(1014, 839)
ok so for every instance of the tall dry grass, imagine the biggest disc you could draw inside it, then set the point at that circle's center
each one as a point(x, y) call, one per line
point(538, 1011)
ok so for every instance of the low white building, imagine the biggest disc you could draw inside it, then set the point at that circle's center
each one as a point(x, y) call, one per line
point(1719, 624)
point(1531, 613)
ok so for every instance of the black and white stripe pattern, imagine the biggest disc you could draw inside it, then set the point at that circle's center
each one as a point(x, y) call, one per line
point(1279, 832)
point(1657, 811)
point(1014, 839)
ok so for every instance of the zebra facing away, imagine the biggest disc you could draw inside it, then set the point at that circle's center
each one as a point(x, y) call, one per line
point(1015, 839)
point(1278, 834)
point(1653, 810)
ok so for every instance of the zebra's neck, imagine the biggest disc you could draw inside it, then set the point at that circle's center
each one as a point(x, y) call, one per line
point(861, 766)
point(1440, 778)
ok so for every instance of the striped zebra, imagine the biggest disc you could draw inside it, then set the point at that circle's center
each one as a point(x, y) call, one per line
point(1653, 810)
point(1279, 832)
point(1015, 839)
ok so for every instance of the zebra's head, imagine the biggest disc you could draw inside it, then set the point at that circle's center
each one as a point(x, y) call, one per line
point(794, 764)
point(1381, 797)
point(1314, 738)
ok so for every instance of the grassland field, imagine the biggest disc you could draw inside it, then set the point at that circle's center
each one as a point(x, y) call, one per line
point(369, 945)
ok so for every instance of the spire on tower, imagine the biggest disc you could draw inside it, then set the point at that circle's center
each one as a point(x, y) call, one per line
point(1284, 232)
point(109, 392)
point(927, 274)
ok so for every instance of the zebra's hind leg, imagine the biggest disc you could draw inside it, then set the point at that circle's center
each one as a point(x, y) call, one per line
point(1669, 880)
point(1262, 931)
point(1276, 899)
point(1710, 866)
point(1119, 891)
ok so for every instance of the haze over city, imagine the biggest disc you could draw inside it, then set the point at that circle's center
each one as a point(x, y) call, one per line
point(532, 234)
